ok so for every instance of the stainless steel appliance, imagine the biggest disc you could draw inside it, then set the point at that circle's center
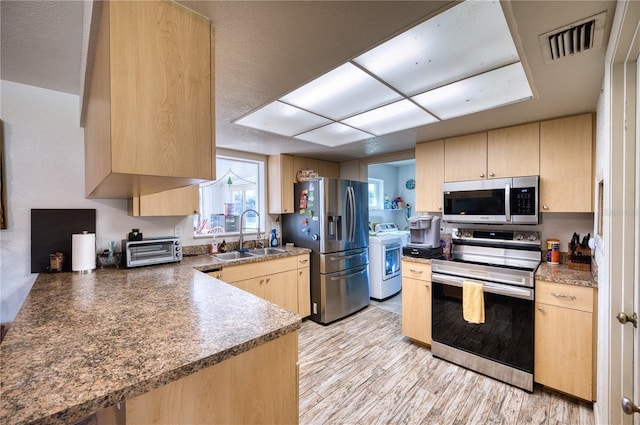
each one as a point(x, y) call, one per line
point(145, 252)
point(492, 201)
point(331, 219)
point(504, 262)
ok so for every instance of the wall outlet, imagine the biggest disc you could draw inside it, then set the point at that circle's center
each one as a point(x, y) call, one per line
point(177, 231)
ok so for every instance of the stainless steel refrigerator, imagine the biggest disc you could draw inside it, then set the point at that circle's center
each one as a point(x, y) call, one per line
point(331, 218)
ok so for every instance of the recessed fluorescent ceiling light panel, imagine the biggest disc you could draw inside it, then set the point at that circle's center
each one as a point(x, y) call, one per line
point(485, 91)
point(466, 40)
point(280, 118)
point(343, 92)
point(390, 118)
point(456, 63)
point(335, 134)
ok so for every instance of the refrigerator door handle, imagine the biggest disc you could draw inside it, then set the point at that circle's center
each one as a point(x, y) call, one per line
point(351, 205)
point(347, 276)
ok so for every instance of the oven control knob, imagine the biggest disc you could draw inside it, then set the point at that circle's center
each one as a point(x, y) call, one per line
point(519, 237)
point(532, 237)
point(467, 234)
point(458, 233)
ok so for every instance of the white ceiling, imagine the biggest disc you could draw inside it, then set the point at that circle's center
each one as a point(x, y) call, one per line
point(266, 49)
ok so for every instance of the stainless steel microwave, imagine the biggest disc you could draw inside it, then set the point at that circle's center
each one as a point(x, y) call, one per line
point(493, 201)
point(150, 251)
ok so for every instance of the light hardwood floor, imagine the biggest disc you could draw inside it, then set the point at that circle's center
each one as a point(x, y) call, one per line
point(361, 370)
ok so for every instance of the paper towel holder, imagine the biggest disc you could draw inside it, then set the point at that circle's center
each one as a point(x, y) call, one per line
point(88, 259)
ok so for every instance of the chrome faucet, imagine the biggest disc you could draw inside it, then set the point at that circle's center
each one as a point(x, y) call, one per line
point(241, 239)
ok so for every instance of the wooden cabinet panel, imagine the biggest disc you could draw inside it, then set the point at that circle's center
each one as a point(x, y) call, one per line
point(465, 157)
point(429, 176)
point(416, 301)
point(281, 179)
point(302, 163)
point(282, 289)
point(514, 151)
point(329, 169)
point(148, 123)
point(565, 338)
point(416, 309)
point(566, 164)
point(567, 296)
point(181, 201)
point(564, 350)
point(274, 280)
point(259, 385)
point(304, 286)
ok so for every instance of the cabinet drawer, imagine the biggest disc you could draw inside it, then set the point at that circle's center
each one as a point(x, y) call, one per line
point(563, 295)
point(259, 268)
point(418, 271)
point(303, 260)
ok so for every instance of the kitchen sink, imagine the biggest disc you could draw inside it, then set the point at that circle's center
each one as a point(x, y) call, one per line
point(266, 251)
point(234, 255)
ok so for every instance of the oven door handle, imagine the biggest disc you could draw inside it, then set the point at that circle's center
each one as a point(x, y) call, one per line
point(492, 288)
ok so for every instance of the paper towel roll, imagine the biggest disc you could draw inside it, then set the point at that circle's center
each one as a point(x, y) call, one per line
point(83, 252)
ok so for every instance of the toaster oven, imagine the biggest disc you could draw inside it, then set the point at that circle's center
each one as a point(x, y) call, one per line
point(150, 251)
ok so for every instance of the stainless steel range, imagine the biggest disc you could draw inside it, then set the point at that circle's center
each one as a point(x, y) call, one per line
point(504, 262)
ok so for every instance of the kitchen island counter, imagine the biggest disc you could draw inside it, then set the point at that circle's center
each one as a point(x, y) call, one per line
point(84, 342)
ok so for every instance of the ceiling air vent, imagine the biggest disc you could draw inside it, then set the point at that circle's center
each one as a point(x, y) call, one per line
point(573, 39)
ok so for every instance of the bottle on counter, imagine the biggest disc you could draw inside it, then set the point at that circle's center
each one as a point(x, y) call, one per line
point(274, 238)
point(213, 247)
point(223, 246)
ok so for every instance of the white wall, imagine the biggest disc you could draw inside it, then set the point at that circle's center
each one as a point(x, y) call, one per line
point(44, 168)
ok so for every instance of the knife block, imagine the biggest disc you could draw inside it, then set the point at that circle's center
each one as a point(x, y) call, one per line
point(579, 259)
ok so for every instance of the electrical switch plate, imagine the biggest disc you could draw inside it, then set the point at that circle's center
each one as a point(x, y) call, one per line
point(177, 231)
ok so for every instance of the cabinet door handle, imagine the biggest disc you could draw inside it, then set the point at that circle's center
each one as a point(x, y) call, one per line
point(268, 279)
point(491, 174)
point(541, 309)
point(545, 207)
point(195, 211)
point(415, 271)
point(569, 297)
point(481, 174)
point(439, 208)
point(261, 281)
point(304, 261)
point(426, 285)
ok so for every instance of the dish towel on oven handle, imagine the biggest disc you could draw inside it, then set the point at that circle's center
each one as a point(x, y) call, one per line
point(472, 302)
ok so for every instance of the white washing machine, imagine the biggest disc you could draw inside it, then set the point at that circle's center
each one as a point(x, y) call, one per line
point(392, 229)
point(385, 253)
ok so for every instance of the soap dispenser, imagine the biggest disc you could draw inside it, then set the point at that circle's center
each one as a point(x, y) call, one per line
point(274, 238)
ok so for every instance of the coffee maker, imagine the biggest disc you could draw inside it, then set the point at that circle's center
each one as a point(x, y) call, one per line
point(424, 233)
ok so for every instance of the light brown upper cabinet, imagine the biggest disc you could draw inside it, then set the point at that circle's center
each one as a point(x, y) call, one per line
point(465, 157)
point(429, 176)
point(148, 124)
point(566, 164)
point(181, 201)
point(282, 172)
point(514, 151)
point(281, 179)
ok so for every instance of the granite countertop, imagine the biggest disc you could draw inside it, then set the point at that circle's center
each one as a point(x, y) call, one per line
point(416, 259)
point(82, 342)
point(561, 273)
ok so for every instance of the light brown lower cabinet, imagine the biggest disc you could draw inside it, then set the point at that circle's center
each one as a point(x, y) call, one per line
point(416, 301)
point(259, 386)
point(564, 357)
point(283, 281)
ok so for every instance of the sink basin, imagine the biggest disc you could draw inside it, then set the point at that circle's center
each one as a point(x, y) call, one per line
point(234, 255)
point(266, 251)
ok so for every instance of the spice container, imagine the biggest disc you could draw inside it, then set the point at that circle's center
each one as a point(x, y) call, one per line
point(553, 251)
